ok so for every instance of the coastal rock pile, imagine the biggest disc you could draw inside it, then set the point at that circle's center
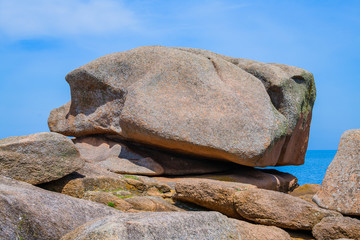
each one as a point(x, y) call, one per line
point(161, 137)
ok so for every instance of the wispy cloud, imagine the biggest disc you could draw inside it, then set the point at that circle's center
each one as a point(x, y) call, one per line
point(56, 18)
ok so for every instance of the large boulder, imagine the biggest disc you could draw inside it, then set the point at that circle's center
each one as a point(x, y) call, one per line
point(340, 187)
point(175, 225)
point(31, 213)
point(279, 209)
point(193, 101)
point(129, 158)
point(336, 228)
point(38, 158)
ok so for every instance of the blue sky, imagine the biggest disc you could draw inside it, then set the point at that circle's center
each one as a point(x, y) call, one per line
point(41, 41)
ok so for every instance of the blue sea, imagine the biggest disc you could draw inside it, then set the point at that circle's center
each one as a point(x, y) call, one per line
point(313, 171)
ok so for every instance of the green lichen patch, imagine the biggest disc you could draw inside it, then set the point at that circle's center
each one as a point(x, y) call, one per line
point(132, 177)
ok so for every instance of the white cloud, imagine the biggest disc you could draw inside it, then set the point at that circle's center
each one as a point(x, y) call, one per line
point(56, 18)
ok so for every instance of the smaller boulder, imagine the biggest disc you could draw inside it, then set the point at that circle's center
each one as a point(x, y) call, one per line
point(340, 189)
point(38, 158)
point(31, 213)
point(278, 209)
point(211, 194)
point(337, 228)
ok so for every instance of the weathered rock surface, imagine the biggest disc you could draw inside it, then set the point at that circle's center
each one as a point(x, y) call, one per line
point(340, 189)
point(108, 199)
point(306, 191)
point(131, 203)
point(90, 178)
point(255, 231)
point(189, 100)
point(211, 194)
point(171, 225)
point(176, 225)
point(31, 213)
point(38, 158)
point(337, 228)
point(262, 178)
point(130, 158)
point(278, 209)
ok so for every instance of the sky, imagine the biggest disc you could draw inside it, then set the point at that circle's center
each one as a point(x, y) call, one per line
point(41, 41)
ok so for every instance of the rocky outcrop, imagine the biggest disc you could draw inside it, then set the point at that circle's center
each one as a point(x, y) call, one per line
point(179, 225)
point(31, 213)
point(129, 158)
point(336, 228)
point(38, 158)
point(193, 101)
point(340, 187)
point(278, 209)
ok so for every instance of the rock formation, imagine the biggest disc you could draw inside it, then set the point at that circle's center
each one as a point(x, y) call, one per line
point(193, 101)
point(163, 136)
point(38, 158)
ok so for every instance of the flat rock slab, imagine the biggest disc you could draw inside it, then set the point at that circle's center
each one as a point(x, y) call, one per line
point(174, 225)
point(262, 178)
point(279, 209)
point(337, 228)
point(129, 158)
point(38, 158)
point(31, 213)
point(340, 189)
point(193, 101)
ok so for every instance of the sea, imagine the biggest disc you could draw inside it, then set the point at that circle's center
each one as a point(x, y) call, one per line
point(313, 171)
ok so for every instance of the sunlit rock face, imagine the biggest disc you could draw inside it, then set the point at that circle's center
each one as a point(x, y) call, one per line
point(193, 101)
point(340, 189)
